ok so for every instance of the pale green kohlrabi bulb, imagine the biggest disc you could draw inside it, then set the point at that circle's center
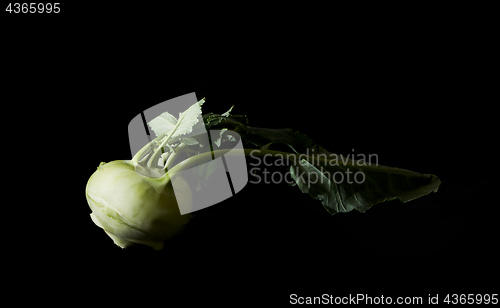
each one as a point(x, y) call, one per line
point(136, 209)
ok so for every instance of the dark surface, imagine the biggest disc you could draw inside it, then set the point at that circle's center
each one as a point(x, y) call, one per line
point(269, 241)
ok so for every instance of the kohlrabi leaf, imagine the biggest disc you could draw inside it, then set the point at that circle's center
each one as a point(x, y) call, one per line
point(168, 124)
point(218, 141)
point(227, 113)
point(223, 137)
point(189, 141)
point(167, 128)
point(332, 179)
point(224, 120)
point(163, 123)
point(343, 187)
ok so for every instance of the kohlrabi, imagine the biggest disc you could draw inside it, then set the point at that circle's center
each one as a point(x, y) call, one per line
point(133, 208)
point(137, 201)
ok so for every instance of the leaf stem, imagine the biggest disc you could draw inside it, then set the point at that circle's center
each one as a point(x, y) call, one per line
point(172, 132)
point(174, 154)
point(207, 156)
point(144, 150)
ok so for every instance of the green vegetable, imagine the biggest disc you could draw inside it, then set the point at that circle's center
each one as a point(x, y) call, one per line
point(134, 201)
point(133, 208)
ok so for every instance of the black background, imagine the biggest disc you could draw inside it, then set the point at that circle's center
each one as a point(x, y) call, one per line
point(420, 102)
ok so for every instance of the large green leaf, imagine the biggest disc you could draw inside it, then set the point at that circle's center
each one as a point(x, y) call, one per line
point(343, 186)
point(340, 183)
